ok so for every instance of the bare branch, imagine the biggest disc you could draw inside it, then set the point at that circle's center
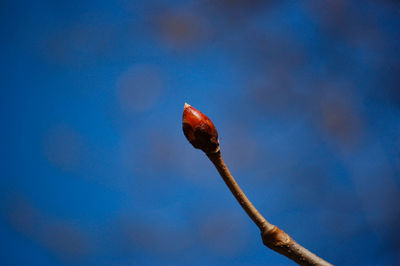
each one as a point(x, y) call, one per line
point(202, 134)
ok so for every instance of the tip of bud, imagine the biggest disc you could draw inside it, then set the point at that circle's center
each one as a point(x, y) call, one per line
point(186, 106)
point(199, 130)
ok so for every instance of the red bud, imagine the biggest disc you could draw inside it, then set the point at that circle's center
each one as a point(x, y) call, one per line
point(199, 130)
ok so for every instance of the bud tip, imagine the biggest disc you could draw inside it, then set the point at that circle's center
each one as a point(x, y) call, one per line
point(199, 130)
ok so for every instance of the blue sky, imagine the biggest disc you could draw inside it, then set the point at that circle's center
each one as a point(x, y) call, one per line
point(95, 167)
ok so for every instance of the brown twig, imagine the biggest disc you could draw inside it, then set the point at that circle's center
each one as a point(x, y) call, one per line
point(202, 134)
point(272, 236)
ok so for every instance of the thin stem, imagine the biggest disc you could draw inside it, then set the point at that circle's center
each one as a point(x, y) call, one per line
point(246, 204)
point(273, 237)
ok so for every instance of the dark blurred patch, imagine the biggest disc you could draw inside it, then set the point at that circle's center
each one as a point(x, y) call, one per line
point(63, 147)
point(68, 242)
point(339, 119)
point(149, 237)
point(20, 214)
point(139, 88)
point(311, 185)
point(238, 9)
point(181, 29)
point(346, 21)
point(274, 67)
point(273, 55)
point(390, 81)
point(222, 234)
point(332, 15)
point(273, 95)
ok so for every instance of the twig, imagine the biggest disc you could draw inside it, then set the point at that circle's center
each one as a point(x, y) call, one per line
point(272, 236)
point(201, 133)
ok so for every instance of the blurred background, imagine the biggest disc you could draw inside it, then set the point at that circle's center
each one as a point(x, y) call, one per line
point(95, 169)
